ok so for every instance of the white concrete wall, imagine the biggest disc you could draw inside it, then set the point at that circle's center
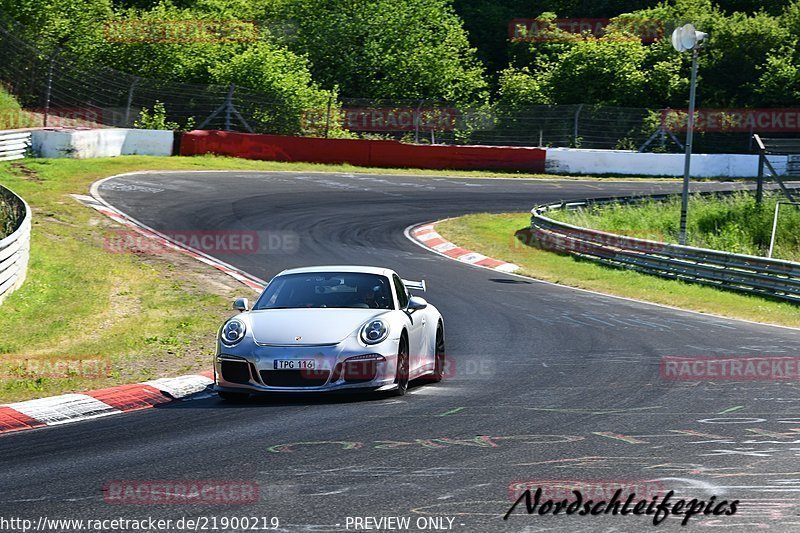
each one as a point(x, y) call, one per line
point(105, 142)
point(578, 161)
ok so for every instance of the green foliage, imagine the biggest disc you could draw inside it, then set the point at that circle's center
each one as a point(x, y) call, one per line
point(69, 24)
point(751, 60)
point(6, 218)
point(410, 49)
point(423, 49)
point(157, 120)
point(283, 77)
point(11, 114)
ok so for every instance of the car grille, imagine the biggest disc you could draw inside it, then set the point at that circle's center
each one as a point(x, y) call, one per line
point(235, 371)
point(294, 378)
point(360, 371)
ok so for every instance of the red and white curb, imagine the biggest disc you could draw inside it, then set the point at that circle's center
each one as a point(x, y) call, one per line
point(66, 408)
point(121, 218)
point(427, 237)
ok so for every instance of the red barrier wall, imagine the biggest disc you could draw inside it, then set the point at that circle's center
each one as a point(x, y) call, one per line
point(361, 152)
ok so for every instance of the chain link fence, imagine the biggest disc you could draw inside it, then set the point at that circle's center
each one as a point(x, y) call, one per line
point(58, 89)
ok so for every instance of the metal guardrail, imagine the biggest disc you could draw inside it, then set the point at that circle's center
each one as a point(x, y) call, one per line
point(743, 273)
point(14, 144)
point(15, 248)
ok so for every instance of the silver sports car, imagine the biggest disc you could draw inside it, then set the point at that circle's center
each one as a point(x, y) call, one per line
point(330, 328)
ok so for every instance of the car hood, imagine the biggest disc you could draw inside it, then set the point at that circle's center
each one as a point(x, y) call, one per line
point(298, 327)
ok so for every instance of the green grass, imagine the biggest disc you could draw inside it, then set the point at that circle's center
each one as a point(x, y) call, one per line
point(7, 218)
point(494, 236)
point(733, 223)
point(11, 114)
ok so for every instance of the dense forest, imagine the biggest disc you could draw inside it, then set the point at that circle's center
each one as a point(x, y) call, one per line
point(302, 51)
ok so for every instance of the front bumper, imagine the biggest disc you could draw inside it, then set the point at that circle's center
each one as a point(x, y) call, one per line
point(253, 369)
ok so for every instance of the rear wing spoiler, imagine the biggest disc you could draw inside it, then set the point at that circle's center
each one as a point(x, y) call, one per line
point(415, 285)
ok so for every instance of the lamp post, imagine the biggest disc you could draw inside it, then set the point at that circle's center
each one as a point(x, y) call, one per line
point(683, 39)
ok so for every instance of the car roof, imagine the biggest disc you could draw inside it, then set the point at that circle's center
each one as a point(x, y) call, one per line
point(340, 268)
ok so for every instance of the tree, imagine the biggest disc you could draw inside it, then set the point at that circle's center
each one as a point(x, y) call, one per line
point(392, 49)
point(69, 24)
point(283, 80)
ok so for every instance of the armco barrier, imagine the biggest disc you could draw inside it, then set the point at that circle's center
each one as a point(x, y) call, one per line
point(14, 249)
point(362, 152)
point(743, 273)
point(14, 144)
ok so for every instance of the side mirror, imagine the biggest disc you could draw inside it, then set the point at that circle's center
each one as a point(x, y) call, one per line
point(415, 303)
point(241, 304)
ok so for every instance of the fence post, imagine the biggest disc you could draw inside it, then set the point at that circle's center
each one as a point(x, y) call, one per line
point(229, 107)
point(130, 102)
point(575, 130)
point(328, 116)
point(417, 121)
point(49, 88)
point(762, 157)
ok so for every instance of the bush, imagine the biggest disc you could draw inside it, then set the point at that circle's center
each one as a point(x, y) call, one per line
point(157, 120)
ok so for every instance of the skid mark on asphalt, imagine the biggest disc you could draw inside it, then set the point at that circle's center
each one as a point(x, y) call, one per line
point(333, 184)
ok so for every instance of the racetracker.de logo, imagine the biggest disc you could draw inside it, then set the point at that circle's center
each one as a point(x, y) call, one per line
point(734, 120)
point(182, 491)
point(69, 117)
point(181, 31)
point(239, 242)
point(599, 489)
point(91, 367)
point(718, 368)
point(543, 30)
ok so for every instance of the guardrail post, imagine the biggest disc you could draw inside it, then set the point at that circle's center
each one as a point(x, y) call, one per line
point(48, 89)
point(328, 116)
point(229, 107)
point(130, 101)
point(575, 129)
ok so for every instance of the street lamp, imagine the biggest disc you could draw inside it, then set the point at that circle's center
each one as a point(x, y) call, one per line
point(683, 39)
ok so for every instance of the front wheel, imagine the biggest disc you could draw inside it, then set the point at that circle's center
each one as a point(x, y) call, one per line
point(439, 357)
point(401, 374)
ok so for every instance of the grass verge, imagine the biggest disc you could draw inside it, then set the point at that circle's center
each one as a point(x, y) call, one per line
point(734, 223)
point(494, 235)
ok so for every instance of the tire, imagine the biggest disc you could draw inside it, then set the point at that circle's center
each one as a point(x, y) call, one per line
point(439, 356)
point(401, 374)
point(236, 397)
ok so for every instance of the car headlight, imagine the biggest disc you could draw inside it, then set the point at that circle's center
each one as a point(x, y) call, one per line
point(232, 332)
point(374, 331)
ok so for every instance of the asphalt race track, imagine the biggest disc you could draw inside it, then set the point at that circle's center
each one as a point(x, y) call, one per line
point(550, 384)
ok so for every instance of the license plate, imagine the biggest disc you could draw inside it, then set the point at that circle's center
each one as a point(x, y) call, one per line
point(294, 364)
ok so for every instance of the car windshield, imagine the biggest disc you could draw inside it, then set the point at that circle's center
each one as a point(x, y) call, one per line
point(327, 289)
